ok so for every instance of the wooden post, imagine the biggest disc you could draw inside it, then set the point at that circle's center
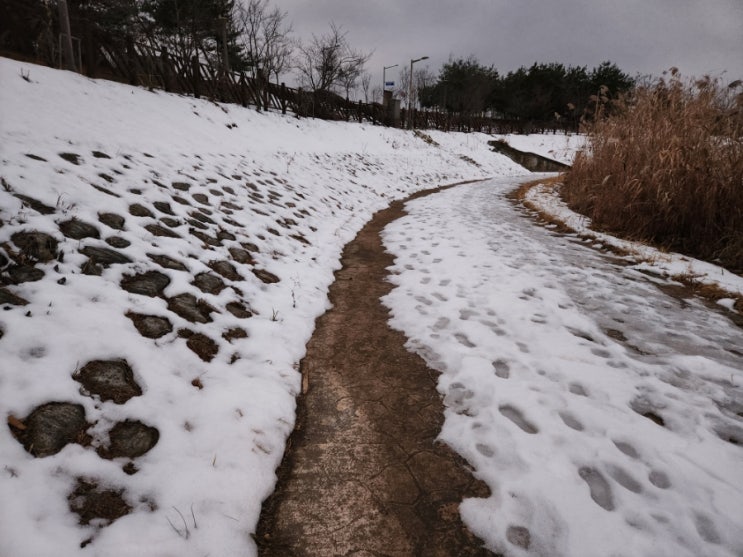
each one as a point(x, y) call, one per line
point(196, 76)
point(265, 82)
point(243, 86)
point(131, 60)
point(165, 62)
point(91, 51)
point(283, 98)
point(361, 112)
point(68, 58)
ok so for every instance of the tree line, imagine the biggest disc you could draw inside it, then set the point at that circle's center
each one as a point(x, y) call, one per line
point(254, 37)
point(540, 92)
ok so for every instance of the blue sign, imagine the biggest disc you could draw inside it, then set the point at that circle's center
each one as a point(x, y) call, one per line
point(389, 83)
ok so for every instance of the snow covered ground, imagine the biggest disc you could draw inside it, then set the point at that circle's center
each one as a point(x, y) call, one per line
point(201, 191)
point(246, 214)
point(603, 412)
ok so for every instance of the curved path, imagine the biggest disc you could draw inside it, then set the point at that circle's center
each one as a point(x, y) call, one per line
point(364, 474)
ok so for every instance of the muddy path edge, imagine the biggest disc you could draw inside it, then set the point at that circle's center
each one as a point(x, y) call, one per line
point(436, 527)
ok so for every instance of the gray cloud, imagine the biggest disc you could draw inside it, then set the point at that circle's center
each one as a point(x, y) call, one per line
point(640, 36)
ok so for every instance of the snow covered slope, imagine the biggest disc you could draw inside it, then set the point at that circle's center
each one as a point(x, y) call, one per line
point(179, 250)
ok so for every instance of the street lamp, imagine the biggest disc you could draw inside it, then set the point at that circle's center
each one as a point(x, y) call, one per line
point(410, 90)
point(384, 79)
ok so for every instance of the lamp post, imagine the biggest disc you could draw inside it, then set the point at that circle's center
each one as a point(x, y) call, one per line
point(384, 76)
point(410, 90)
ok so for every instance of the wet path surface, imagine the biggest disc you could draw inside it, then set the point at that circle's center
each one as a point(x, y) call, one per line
point(364, 474)
point(602, 404)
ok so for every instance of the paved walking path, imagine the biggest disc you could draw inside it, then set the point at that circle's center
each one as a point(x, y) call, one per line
point(364, 474)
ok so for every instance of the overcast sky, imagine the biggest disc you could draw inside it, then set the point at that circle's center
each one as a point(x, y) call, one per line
point(640, 36)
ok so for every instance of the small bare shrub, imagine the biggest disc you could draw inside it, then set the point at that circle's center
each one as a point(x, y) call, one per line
point(667, 168)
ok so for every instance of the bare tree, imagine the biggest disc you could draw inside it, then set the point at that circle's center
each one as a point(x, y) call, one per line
point(265, 36)
point(376, 94)
point(403, 86)
point(366, 78)
point(422, 77)
point(327, 61)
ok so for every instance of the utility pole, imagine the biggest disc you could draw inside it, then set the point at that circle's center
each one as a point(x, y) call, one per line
point(410, 91)
point(66, 36)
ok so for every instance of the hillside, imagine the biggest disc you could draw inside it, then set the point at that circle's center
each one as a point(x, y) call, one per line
point(165, 259)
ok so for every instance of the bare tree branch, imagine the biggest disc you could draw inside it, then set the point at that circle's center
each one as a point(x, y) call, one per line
point(327, 61)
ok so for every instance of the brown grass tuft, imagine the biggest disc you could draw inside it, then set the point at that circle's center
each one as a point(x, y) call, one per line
point(667, 168)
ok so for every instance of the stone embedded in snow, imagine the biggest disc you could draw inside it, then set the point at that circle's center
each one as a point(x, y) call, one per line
point(167, 262)
point(24, 273)
point(91, 268)
point(74, 158)
point(35, 204)
point(164, 207)
point(7, 297)
point(36, 245)
point(138, 210)
point(157, 230)
point(182, 186)
point(130, 439)
point(250, 246)
point(201, 198)
point(150, 283)
point(209, 240)
point(77, 229)
point(234, 333)
point(226, 269)
point(193, 310)
point(112, 220)
point(239, 310)
point(93, 503)
point(209, 283)
point(109, 380)
point(105, 256)
point(201, 217)
point(241, 255)
point(197, 224)
point(201, 345)
point(225, 235)
point(118, 242)
point(172, 223)
point(51, 426)
point(265, 276)
point(150, 326)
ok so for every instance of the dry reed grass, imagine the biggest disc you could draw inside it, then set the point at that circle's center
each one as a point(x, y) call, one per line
point(667, 168)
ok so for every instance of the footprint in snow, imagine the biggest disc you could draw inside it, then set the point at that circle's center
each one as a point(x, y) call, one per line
point(463, 340)
point(598, 486)
point(515, 415)
point(502, 369)
point(627, 449)
point(577, 389)
point(571, 421)
point(623, 478)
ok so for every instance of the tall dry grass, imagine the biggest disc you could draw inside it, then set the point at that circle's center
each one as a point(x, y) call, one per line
point(667, 167)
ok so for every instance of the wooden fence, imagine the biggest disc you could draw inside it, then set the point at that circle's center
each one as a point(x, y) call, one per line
point(145, 65)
